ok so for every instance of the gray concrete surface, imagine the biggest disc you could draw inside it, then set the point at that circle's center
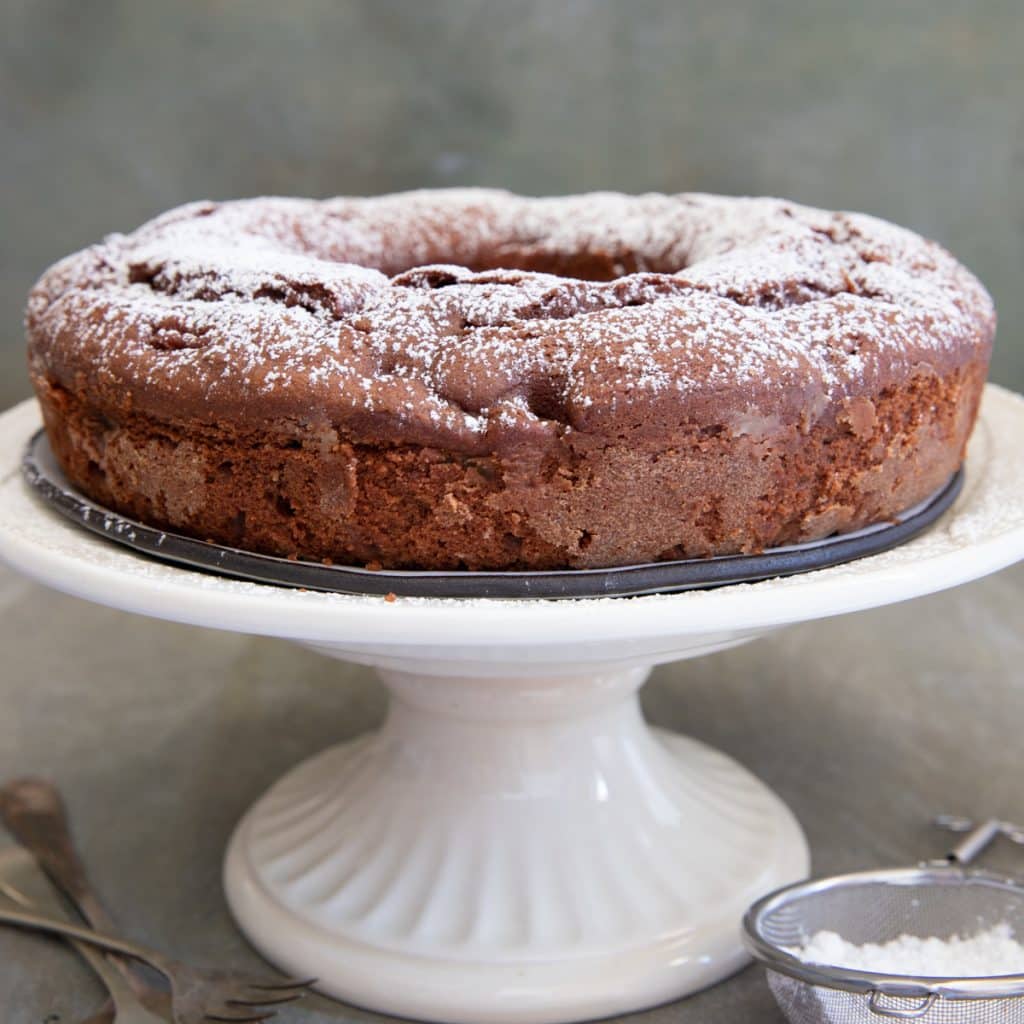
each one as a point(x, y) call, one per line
point(161, 735)
point(113, 110)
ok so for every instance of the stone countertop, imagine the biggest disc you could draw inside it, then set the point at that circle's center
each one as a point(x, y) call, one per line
point(161, 735)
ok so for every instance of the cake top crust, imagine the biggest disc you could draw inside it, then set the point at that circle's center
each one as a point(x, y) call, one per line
point(476, 320)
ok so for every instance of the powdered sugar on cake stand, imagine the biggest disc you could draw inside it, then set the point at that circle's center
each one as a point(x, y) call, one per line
point(515, 844)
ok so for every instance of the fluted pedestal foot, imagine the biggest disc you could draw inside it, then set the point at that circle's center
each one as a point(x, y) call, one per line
point(510, 850)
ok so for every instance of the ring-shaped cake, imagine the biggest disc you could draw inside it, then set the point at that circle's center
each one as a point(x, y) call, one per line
point(467, 379)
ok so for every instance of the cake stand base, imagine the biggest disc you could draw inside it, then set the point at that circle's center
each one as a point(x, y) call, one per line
point(517, 850)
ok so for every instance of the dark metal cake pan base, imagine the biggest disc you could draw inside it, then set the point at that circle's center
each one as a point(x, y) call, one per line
point(43, 474)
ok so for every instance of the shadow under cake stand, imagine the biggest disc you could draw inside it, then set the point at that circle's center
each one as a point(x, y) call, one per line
point(515, 844)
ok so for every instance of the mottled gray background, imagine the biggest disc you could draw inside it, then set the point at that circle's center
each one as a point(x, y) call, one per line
point(113, 111)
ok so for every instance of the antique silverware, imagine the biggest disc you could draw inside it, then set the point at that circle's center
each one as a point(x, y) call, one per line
point(33, 811)
point(23, 881)
point(197, 993)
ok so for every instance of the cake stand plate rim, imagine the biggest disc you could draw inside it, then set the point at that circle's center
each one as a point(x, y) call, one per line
point(981, 533)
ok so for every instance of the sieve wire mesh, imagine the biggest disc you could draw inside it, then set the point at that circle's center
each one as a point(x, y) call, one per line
point(941, 904)
point(815, 1004)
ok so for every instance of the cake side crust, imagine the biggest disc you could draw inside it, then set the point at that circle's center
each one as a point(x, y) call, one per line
point(582, 503)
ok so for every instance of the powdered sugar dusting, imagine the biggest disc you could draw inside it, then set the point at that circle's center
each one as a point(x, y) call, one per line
point(411, 307)
point(991, 951)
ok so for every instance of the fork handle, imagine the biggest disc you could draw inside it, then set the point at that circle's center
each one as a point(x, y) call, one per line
point(34, 813)
point(43, 899)
point(11, 914)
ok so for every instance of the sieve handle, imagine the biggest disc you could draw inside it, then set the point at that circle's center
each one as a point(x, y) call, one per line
point(977, 837)
point(895, 1013)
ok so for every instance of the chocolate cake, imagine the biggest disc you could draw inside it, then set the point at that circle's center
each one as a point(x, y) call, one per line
point(471, 379)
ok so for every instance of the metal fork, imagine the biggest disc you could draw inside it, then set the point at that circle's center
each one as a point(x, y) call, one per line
point(33, 811)
point(21, 878)
point(239, 996)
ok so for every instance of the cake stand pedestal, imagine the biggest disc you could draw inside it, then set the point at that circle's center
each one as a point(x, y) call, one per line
point(516, 844)
point(511, 849)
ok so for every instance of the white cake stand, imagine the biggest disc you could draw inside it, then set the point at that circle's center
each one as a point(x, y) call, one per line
point(515, 844)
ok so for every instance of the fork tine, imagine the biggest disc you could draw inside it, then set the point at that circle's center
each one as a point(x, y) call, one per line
point(256, 998)
point(273, 986)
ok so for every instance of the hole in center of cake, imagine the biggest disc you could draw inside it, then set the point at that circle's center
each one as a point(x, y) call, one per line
point(590, 264)
point(594, 264)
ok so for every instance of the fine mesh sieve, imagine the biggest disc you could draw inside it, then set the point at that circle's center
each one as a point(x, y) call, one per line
point(938, 900)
